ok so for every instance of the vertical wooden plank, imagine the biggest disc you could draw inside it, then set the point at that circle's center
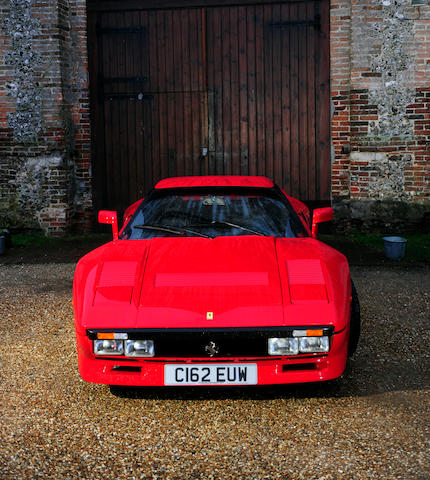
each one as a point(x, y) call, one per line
point(226, 90)
point(210, 62)
point(130, 69)
point(310, 54)
point(108, 141)
point(151, 99)
point(203, 89)
point(178, 96)
point(139, 128)
point(218, 90)
point(268, 84)
point(243, 91)
point(147, 135)
point(277, 95)
point(116, 180)
point(323, 115)
point(194, 36)
point(105, 107)
point(171, 108)
point(145, 108)
point(119, 42)
point(95, 59)
point(106, 71)
point(294, 99)
point(134, 70)
point(186, 87)
point(234, 88)
point(146, 105)
point(251, 90)
point(157, 89)
point(139, 132)
point(121, 49)
point(285, 100)
point(302, 32)
point(260, 90)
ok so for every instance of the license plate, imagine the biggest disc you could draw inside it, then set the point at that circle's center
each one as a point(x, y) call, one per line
point(211, 374)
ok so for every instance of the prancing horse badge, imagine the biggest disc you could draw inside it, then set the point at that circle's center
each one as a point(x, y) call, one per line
point(209, 315)
point(212, 349)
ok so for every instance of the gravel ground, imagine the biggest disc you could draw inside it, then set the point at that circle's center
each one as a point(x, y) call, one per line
point(374, 423)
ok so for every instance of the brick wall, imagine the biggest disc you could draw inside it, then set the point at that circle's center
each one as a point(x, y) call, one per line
point(380, 70)
point(44, 115)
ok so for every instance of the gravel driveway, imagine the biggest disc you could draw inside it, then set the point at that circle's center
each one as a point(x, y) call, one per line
point(373, 424)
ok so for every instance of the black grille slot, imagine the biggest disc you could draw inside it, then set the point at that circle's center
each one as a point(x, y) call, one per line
point(126, 368)
point(298, 366)
point(210, 344)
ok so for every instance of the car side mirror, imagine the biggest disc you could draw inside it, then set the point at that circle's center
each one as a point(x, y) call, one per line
point(110, 218)
point(320, 215)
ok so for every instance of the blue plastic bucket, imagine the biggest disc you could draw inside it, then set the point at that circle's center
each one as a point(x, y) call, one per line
point(395, 247)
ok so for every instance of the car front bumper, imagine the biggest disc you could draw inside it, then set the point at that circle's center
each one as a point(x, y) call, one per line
point(270, 370)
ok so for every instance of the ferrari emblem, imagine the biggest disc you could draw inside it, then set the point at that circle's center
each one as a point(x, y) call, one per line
point(209, 315)
point(212, 349)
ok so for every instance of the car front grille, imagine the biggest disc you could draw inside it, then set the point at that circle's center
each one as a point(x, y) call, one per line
point(210, 343)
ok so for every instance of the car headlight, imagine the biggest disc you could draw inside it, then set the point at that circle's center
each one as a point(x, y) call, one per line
point(139, 348)
point(283, 346)
point(293, 346)
point(108, 347)
point(314, 344)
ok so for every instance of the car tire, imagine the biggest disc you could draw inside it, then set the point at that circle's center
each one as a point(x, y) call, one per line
point(354, 332)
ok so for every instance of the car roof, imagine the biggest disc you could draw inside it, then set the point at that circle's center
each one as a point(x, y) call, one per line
point(216, 181)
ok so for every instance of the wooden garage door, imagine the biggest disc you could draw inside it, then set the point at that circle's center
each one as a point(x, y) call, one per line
point(236, 89)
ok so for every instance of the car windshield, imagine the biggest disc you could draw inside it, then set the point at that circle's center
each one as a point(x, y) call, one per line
point(213, 212)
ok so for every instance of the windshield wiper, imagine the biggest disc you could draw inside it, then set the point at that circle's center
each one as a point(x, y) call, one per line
point(229, 224)
point(171, 229)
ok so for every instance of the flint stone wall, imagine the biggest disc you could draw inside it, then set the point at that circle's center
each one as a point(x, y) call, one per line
point(44, 116)
point(381, 124)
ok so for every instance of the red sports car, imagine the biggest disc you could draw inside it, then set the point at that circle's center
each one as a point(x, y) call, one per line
point(215, 280)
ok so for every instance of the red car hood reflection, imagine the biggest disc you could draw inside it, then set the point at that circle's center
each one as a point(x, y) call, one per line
point(223, 282)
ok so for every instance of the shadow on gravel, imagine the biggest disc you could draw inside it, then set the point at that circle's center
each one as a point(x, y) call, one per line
point(359, 380)
point(224, 393)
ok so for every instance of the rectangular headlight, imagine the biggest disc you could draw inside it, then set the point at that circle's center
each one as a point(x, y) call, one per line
point(108, 347)
point(314, 344)
point(283, 346)
point(139, 348)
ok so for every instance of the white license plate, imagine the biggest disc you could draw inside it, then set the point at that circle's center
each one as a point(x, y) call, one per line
point(211, 374)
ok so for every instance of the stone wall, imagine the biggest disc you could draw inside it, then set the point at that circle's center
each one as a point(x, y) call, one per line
point(380, 69)
point(44, 115)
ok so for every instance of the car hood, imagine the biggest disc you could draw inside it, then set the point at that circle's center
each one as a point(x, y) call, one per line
point(245, 281)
